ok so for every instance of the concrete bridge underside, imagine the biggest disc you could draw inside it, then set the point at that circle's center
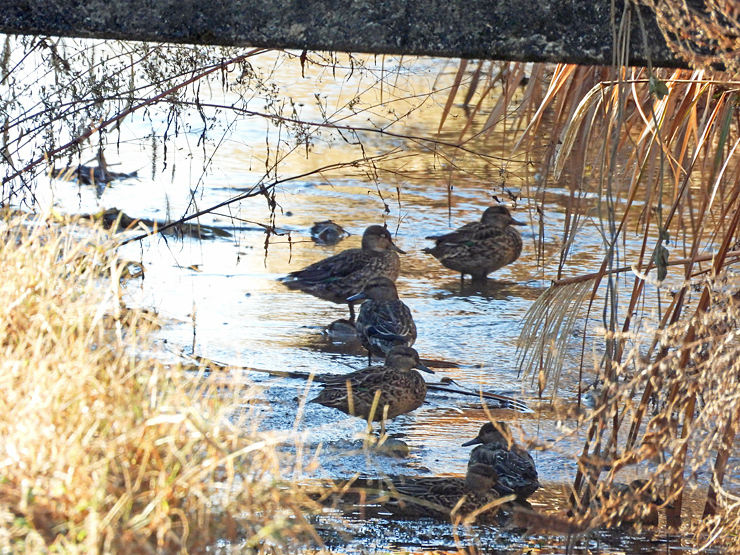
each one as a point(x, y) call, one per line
point(577, 31)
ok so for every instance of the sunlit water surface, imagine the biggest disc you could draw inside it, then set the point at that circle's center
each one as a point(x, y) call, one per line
point(221, 299)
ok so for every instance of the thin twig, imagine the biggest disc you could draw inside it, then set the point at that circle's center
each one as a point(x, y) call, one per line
point(257, 189)
point(94, 129)
point(622, 269)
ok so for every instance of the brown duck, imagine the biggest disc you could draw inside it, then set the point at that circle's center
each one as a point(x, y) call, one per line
point(633, 505)
point(398, 387)
point(328, 233)
point(345, 274)
point(446, 497)
point(514, 465)
point(480, 248)
point(384, 320)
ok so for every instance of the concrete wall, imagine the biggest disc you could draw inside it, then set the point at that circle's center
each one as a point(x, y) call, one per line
point(579, 31)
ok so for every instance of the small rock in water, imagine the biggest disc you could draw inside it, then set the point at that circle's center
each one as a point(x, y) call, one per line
point(327, 233)
point(384, 445)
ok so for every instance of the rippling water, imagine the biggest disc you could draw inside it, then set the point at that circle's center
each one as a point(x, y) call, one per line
point(233, 310)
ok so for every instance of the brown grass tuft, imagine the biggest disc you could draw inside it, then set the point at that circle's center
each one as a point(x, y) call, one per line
point(105, 449)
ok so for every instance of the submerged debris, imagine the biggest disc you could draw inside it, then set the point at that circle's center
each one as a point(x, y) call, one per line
point(89, 175)
point(115, 219)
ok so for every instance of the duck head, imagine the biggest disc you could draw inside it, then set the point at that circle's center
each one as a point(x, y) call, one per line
point(405, 358)
point(377, 238)
point(379, 288)
point(499, 216)
point(491, 433)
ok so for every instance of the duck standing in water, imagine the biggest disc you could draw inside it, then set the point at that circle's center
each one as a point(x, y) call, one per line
point(345, 274)
point(514, 465)
point(384, 320)
point(480, 248)
point(379, 393)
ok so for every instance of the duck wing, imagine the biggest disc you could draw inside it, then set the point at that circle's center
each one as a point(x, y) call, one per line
point(459, 236)
point(362, 383)
point(516, 468)
point(390, 323)
point(441, 496)
point(333, 268)
point(487, 232)
point(437, 490)
point(341, 379)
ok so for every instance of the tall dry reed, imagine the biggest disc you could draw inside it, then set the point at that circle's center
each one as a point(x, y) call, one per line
point(648, 159)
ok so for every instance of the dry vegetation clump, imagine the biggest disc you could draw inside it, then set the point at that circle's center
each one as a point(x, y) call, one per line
point(105, 449)
point(664, 428)
point(683, 403)
point(702, 33)
point(648, 158)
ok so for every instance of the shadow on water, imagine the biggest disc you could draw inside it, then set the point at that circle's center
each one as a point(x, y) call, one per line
point(338, 337)
point(370, 525)
point(490, 289)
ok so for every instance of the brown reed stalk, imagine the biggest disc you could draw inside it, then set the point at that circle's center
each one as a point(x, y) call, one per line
point(661, 143)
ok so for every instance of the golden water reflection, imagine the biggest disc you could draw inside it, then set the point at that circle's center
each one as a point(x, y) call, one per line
point(234, 310)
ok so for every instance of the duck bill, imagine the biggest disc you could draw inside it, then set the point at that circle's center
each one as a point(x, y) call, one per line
point(475, 441)
point(423, 368)
point(358, 297)
point(395, 248)
point(517, 222)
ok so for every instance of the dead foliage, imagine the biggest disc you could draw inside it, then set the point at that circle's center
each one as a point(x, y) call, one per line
point(647, 159)
point(106, 449)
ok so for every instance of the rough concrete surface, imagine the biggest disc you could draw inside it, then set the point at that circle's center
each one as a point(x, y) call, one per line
point(579, 31)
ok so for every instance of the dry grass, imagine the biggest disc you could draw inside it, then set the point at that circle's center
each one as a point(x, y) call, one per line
point(703, 34)
point(105, 449)
point(648, 158)
point(670, 418)
point(683, 404)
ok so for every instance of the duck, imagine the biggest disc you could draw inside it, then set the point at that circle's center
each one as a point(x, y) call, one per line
point(446, 497)
point(375, 393)
point(327, 233)
point(480, 248)
point(345, 274)
point(633, 505)
point(384, 321)
point(514, 465)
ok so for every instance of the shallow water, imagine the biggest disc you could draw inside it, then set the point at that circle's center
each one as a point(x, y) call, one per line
point(221, 299)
